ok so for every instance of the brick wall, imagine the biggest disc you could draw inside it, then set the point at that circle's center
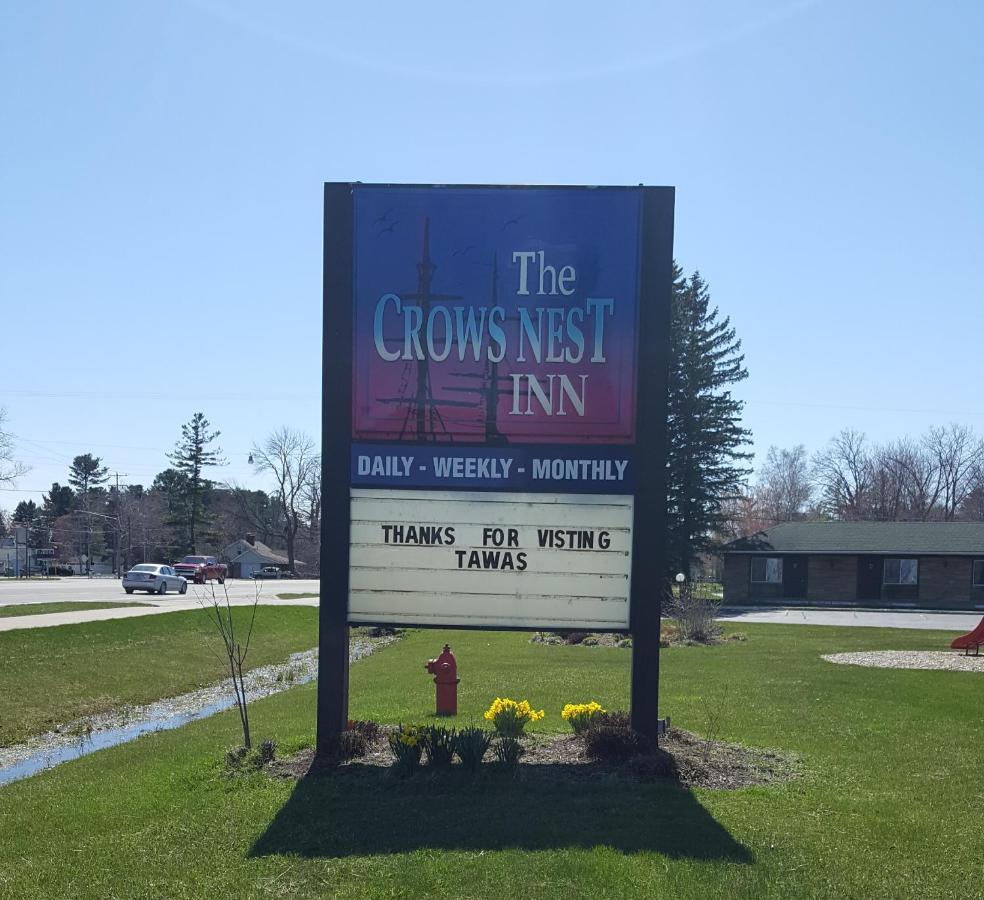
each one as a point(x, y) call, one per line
point(944, 581)
point(832, 579)
point(735, 578)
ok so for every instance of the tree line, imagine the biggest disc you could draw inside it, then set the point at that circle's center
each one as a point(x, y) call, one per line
point(94, 518)
point(935, 477)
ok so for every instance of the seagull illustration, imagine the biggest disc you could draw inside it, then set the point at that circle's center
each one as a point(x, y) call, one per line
point(384, 218)
point(464, 251)
point(383, 231)
point(512, 222)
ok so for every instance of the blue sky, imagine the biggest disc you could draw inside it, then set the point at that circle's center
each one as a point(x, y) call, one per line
point(161, 168)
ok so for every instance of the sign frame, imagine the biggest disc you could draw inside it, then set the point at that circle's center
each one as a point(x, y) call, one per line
point(649, 579)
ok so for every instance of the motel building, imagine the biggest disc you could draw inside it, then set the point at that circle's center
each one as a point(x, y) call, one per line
point(925, 565)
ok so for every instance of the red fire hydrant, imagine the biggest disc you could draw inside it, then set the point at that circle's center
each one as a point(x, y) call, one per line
point(445, 672)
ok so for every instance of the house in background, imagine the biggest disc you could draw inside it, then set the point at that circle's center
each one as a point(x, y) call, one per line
point(918, 564)
point(10, 556)
point(247, 556)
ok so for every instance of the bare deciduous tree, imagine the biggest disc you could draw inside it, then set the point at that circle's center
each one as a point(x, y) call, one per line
point(10, 469)
point(973, 504)
point(784, 489)
point(956, 453)
point(842, 473)
point(288, 456)
point(913, 480)
point(236, 649)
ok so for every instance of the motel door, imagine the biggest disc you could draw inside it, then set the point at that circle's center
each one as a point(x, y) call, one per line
point(869, 577)
point(794, 577)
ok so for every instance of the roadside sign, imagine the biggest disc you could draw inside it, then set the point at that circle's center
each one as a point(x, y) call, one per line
point(492, 457)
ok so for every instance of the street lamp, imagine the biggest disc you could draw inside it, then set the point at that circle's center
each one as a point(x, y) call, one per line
point(680, 578)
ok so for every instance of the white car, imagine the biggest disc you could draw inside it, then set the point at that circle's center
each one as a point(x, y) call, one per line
point(154, 579)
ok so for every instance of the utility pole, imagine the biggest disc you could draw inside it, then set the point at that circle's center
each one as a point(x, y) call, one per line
point(117, 569)
point(119, 521)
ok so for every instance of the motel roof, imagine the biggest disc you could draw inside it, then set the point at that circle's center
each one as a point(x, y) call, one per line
point(881, 538)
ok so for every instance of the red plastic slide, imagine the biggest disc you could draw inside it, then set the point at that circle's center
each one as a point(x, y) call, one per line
point(970, 641)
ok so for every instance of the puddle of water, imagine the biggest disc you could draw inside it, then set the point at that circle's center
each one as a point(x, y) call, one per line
point(111, 737)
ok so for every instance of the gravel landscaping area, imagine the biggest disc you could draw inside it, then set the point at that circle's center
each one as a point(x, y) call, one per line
point(949, 660)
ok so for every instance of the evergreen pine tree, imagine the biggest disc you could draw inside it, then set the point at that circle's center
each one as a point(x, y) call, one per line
point(172, 484)
point(87, 474)
point(58, 501)
point(191, 456)
point(705, 459)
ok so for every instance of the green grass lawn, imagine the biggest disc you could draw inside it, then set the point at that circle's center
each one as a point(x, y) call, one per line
point(38, 609)
point(888, 805)
point(49, 676)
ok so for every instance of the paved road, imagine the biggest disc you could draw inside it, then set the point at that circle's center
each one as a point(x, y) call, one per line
point(862, 618)
point(14, 592)
point(242, 592)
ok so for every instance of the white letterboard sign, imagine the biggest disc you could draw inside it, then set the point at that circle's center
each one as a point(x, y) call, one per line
point(493, 406)
point(490, 559)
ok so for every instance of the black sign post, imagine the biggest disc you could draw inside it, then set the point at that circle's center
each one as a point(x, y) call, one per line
point(336, 419)
point(649, 577)
point(649, 563)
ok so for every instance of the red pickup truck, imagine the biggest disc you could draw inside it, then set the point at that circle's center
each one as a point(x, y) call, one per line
point(200, 569)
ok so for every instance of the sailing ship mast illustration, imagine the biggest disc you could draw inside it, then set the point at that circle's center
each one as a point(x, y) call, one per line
point(490, 388)
point(423, 420)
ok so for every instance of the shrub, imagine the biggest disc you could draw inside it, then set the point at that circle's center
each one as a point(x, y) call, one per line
point(370, 731)
point(579, 715)
point(377, 631)
point(266, 752)
point(439, 744)
point(406, 746)
point(695, 613)
point(351, 744)
point(617, 718)
point(471, 745)
point(668, 633)
point(574, 637)
point(590, 641)
point(508, 751)
point(509, 717)
point(234, 758)
point(610, 737)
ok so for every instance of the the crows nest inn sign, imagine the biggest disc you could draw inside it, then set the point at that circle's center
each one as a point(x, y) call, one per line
point(494, 403)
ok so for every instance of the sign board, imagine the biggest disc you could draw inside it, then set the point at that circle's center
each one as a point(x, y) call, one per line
point(492, 457)
point(490, 559)
point(43, 552)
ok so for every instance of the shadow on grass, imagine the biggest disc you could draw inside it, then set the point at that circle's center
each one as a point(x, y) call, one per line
point(363, 810)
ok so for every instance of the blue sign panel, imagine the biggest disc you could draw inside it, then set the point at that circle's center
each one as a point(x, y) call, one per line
point(539, 468)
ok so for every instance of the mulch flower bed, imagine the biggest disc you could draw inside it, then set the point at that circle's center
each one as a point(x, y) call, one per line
point(683, 758)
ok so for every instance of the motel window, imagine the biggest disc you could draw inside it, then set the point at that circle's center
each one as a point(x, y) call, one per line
point(901, 571)
point(767, 569)
point(979, 573)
